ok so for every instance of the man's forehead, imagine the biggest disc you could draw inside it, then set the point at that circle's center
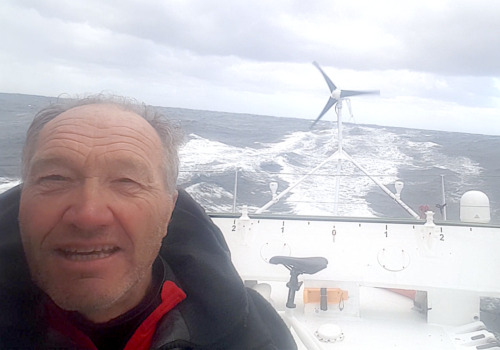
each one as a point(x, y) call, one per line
point(105, 128)
point(101, 121)
point(102, 114)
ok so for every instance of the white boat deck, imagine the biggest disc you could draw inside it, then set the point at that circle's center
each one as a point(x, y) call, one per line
point(448, 263)
point(386, 321)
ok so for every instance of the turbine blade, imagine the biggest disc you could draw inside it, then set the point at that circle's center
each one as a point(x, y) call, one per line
point(329, 104)
point(347, 93)
point(331, 85)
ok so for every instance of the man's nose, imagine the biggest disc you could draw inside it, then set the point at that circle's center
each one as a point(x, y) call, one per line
point(89, 208)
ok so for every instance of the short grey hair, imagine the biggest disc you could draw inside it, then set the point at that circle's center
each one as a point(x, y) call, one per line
point(170, 133)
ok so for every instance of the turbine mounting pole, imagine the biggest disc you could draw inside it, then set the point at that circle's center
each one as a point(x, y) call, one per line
point(338, 109)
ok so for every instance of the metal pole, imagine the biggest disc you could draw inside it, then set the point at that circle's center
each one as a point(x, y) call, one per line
point(444, 197)
point(338, 107)
point(291, 187)
point(384, 188)
point(235, 192)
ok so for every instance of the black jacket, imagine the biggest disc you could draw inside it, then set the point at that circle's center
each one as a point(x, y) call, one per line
point(218, 313)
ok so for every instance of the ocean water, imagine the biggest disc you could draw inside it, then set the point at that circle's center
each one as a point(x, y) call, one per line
point(264, 149)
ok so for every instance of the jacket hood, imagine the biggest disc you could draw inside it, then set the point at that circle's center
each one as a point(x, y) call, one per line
point(194, 248)
point(196, 251)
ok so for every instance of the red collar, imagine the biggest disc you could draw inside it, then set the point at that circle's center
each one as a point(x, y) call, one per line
point(171, 295)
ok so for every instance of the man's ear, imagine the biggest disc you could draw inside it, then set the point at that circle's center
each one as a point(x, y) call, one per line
point(174, 197)
point(172, 200)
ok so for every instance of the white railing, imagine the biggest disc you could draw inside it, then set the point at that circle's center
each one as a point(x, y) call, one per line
point(228, 191)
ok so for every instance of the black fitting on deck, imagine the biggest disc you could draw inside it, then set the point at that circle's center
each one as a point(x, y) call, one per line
point(298, 266)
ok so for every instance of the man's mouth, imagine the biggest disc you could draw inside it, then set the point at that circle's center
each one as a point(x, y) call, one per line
point(87, 253)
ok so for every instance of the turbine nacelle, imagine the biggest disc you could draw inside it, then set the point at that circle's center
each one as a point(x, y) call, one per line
point(336, 94)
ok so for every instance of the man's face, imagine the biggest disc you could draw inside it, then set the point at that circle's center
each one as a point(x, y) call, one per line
point(94, 210)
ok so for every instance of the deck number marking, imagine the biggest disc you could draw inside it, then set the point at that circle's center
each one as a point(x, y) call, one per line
point(441, 237)
point(334, 233)
point(233, 229)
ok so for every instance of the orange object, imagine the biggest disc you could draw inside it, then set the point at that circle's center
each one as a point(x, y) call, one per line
point(334, 295)
point(407, 293)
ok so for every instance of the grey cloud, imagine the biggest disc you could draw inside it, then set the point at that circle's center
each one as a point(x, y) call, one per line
point(463, 40)
point(460, 39)
point(200, 45)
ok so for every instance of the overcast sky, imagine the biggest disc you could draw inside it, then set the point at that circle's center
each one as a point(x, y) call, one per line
point(436, 62)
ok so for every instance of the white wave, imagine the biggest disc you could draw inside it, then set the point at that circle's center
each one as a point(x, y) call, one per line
point(421, 145)
point(213, 197)
point(315, 195)
point(6, 184)
point(203, 154)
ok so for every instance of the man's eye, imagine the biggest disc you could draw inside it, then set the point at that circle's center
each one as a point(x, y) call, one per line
point(53, 178)
point(126, 180)
point(127, 185)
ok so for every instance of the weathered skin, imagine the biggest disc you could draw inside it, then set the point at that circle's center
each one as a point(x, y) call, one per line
point(95, 185)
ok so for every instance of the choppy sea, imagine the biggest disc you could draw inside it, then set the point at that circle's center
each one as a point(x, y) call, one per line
point(264, 149)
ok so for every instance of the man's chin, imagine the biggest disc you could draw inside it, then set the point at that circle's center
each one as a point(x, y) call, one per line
point(87, 296)
point(99, 298)
point(85, 301)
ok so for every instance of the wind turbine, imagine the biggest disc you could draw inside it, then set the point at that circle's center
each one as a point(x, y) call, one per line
point(336, 98)
point(337, 95)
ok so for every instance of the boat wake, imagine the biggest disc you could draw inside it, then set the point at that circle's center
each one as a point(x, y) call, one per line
point(209, 166)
